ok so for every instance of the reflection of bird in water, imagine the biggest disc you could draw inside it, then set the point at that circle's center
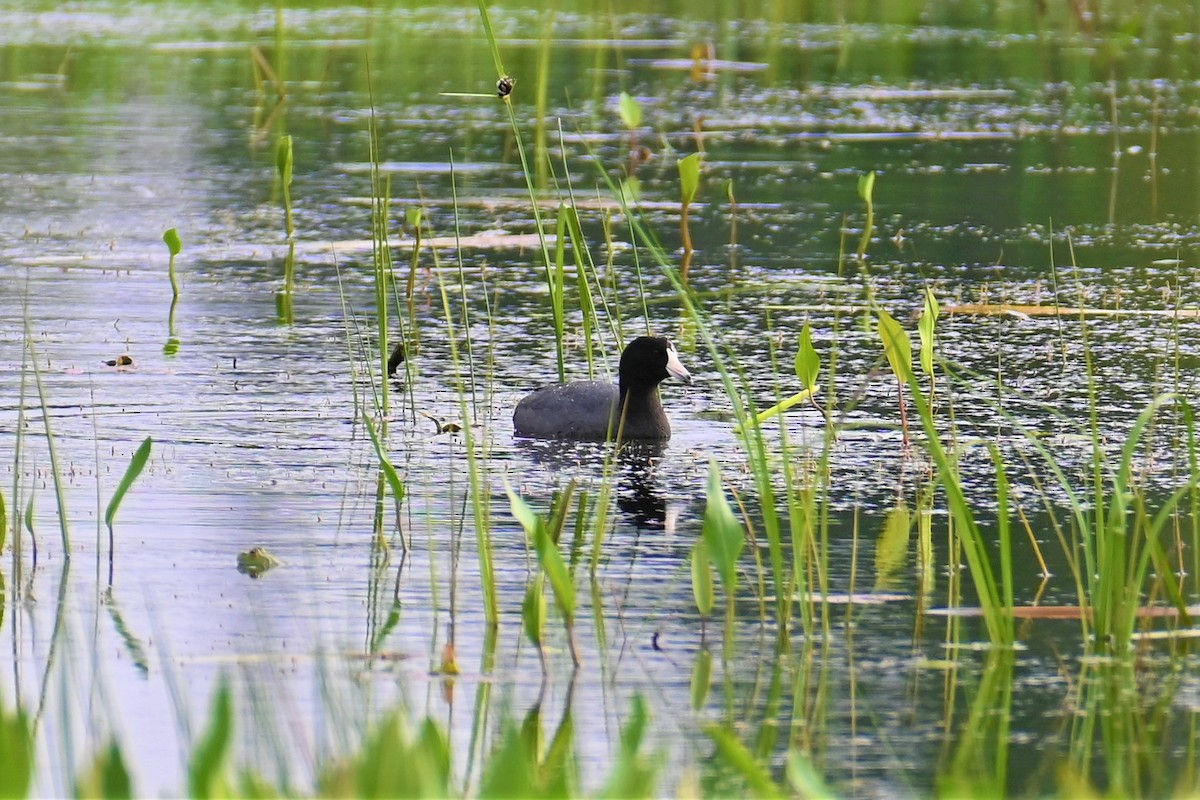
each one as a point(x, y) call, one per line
point(638, 495)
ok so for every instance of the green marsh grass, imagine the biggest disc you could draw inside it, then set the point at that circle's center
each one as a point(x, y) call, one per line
point(284, 167)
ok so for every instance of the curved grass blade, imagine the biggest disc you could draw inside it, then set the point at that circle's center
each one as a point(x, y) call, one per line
point(136, 465)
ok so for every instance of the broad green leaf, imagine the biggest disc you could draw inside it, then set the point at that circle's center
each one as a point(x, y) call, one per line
point(633, 775)
point(808, 363)
point(926, 328)
point(631, 191)
point(891, 549)
point(512, 769)
point(207, 766)
point(170, 238)
point(107, 776)
point(557, 772)
point(16, 754)
point(805, 780)
point(533, 610)
point(689, 177)
point(523, 513)
point(136, 465)
point(412, 218)
point(738, 757)
point(722, 532)
point(866, 186)
point(896, 346)
point(549, 558)
point(630, 110)
point(702, 581)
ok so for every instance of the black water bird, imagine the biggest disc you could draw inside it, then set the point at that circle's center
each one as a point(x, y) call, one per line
point(597, 410)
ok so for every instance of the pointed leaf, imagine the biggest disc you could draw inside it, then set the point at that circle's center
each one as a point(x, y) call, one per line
point(170, 238)
point(533, 610)
point(205, 772)
point(689, 177)
point(808, 363)
point(926, 328)
point(630, 110)
point(722, 532)
point(136, 465)
point(16, 754)
point(866, 186)
point(896, 346)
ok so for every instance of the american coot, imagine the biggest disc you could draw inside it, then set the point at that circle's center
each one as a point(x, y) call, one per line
point(595, 410)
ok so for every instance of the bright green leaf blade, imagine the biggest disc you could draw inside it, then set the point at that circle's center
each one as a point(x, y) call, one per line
point(739, 758)
point(722, 532)
point(107, 776)
point(689, 177)
point(896, 345)
point(533, 611)
point(523, 513)
point(784, 405)
point(205, 772)
point(630, 110)
point(866, 186)
point(549, 558)
point(808, 363)
point(136, 465)
point(16, 755)
point(385, 463)
point(926, 328)
point(804, 778)
point(491, 37)
point(170, 237)
point(560, 577)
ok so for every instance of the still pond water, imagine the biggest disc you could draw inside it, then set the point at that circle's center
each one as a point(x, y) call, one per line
point(1018, 160)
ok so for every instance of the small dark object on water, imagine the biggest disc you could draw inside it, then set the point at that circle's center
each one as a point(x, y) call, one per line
point(598, 410)
point(120, 361)
point(396, 359)
point(654, 642)
point(504, 86)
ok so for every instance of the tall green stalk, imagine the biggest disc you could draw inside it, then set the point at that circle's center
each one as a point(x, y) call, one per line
point(547, 263)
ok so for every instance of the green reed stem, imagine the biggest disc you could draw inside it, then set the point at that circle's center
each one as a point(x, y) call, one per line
point(529, 185)
point(59, 494)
